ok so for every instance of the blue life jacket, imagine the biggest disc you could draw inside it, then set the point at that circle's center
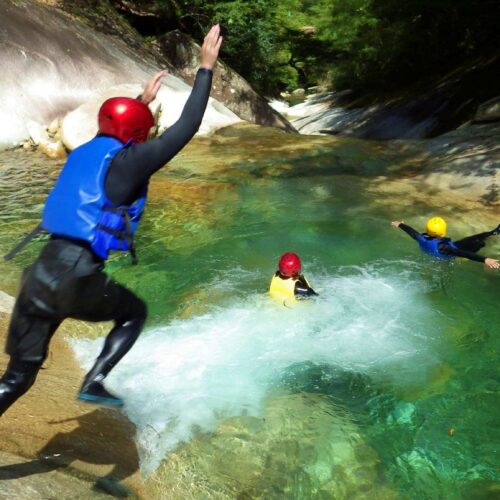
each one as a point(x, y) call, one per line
point(429, 245)
point(78, 208)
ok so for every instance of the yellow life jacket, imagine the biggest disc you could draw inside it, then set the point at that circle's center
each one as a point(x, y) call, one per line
point(283, 290)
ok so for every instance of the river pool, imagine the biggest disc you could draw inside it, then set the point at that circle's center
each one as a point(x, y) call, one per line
point(386, 386)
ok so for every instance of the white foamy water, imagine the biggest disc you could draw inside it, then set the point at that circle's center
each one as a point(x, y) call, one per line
point(185, 376)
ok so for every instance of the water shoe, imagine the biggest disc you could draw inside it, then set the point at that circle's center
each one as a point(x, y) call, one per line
point(97, 394)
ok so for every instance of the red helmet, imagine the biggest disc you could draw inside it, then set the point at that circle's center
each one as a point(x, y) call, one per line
point(126, 119)
point(290, 264)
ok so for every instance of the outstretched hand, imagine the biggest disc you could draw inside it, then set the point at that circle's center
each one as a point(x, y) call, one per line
point(396, 223)
point(151, 88)
point(492, 263)
point(209, 51)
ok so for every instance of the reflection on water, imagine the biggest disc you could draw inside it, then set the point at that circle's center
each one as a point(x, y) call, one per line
point(394, 365)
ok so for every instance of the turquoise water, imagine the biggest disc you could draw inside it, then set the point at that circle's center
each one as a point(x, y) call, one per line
point(399, 352)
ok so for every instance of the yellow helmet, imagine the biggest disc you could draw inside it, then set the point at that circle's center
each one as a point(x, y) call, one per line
point(436, 227)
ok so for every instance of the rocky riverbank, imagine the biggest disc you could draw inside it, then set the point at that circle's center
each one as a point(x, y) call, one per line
point(52, 443)
point(72, 57)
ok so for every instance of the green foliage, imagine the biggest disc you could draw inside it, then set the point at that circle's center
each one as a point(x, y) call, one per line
point(360, 44)
point(255, 36)
point(385, 44)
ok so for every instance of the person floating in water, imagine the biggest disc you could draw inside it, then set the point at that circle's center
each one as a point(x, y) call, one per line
point(287, 284)
point(94, 208)
point(433, 242)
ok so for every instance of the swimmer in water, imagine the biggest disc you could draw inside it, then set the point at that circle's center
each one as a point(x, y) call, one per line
point(287, 284)
point(434, 242)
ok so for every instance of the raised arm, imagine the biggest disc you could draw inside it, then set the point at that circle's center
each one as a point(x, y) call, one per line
point(151, 88)
point(131, 169)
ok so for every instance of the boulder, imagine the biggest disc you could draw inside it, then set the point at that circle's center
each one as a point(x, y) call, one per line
point(52, 63)
point(299, 93)
point(228, 86)
point(80, 125)
point(46, 138)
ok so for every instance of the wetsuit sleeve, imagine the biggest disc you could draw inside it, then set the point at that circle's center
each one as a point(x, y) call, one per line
point(449, 250)
point(409, 230)
point(132, 167)
point(302, 289)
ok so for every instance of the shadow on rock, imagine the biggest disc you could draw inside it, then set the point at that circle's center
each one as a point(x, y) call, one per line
point(98, 441)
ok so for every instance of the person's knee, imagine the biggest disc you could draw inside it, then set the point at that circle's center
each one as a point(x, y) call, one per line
point(136, 310)
point(129, 325)
point(21, 372)
point(17, 379)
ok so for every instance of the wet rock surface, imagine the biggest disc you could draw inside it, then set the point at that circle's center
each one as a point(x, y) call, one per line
point(428, 109)
point(65, 62)
point(52, 444)
point(26, 479)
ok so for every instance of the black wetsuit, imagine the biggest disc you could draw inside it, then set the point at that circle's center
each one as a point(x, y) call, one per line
point(466, 247)
point(67, 279)
point(302, 290)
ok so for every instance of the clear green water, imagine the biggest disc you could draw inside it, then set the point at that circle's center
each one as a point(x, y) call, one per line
point(403, 347)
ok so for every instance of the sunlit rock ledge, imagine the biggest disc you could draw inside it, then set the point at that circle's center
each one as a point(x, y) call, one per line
point(463, 162)
point(80, 125)
point(52, 64)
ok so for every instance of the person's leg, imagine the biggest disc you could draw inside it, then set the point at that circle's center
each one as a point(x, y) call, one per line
point(27, 343)
point(477, 241)
point(33, 322)
point(118, 342)
point(17, 379)
point(102, 299)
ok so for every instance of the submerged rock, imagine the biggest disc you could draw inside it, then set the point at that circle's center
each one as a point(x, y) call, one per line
point(301, 447)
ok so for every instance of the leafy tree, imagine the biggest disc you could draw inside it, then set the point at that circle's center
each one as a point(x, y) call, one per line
point(255, 33)
point(389, 43)
point(359, 44)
